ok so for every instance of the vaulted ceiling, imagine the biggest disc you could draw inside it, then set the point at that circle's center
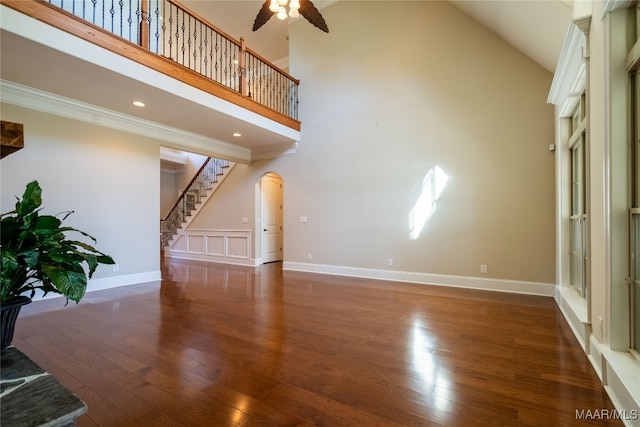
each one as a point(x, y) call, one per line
point(535, 27)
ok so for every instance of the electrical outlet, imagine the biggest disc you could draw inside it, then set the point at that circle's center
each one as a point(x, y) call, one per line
point(309, 257)
point(390, 262)
point(116, 267)
point(483, 269)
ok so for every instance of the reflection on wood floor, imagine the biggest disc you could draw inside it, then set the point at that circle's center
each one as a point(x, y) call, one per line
point(216, 345)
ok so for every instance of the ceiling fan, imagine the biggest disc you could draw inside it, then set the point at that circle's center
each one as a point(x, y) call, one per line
point(296, 8)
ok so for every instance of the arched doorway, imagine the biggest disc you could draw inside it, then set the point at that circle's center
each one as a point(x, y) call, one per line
point(271, 191)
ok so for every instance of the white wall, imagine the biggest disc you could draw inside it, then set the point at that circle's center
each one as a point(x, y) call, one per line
point(109, 178)
point(383, 101)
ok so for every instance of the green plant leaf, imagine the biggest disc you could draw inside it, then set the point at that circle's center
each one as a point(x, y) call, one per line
point(31, 199)
point(48, 222)
point(36, 253)
point(71, 284)
point(30, 257)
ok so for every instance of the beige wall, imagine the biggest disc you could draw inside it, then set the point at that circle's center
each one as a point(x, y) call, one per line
point(383, 101)
point(109, 178)
point(168, 191)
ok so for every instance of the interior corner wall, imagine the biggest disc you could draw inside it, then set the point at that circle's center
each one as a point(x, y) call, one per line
point(395, 92)
point(109, 178)
point(386, 99)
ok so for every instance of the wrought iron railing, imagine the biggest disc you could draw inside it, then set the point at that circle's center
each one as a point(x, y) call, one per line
point(170, 30)
point(202, 182)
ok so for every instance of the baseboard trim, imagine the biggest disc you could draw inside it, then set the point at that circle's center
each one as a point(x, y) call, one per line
point(111, 282)
point(620, 375)
point(499, 285)
point(251, 262)
point(124, 280)
point(574, 311)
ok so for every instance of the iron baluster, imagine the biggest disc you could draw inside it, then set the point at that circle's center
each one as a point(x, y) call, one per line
point(192, 43)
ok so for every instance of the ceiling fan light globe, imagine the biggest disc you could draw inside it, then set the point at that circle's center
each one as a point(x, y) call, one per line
point(282, 13)
point(293, 13)
point(282, 2)
point(294, 4)
point(273, 6)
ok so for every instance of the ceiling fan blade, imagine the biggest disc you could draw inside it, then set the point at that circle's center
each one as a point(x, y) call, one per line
point(263, 16)
point(311, 13)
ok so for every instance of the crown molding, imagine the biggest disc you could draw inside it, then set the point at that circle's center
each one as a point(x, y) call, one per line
point(611, 5)
point(274, 151)
point(569, 79)
point(35, 99)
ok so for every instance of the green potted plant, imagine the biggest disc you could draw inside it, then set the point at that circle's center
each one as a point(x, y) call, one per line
point(36, 254)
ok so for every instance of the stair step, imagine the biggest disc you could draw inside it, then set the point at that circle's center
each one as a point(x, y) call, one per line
point(210, 171)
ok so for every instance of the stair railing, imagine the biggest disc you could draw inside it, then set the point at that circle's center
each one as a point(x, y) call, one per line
point(171, 30)
point(203, 181)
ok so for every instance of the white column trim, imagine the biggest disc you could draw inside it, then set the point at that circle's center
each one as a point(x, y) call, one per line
point(570, 77)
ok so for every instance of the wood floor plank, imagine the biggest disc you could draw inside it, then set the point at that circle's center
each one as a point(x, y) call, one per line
point(216, 345)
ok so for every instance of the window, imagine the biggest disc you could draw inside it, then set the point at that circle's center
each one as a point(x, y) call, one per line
point(634, 181)
point(578, 277)
point(634, 214)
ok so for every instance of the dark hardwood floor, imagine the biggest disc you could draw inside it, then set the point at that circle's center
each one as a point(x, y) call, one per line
point(216, 345)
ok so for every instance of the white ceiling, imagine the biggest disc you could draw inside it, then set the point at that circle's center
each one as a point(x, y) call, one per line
point(535, 27)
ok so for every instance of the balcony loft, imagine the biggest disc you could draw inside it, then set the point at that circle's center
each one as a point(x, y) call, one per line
point(58, 62)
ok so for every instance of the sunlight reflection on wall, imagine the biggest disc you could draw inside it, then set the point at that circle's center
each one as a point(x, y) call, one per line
point(432, 186)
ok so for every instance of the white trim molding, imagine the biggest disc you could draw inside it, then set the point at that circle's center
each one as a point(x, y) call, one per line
point(35, 99)
point(124, 280)
point(612, 5)
point(499, 285)
point(575, 311)
point(621, 379)
point(100, 284)
point(570, 77)
point(222, 246)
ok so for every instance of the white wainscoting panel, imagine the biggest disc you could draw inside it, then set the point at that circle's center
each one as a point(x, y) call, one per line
point(225, 246)
point(196, 243)
point(238, 246)
point(216, 244)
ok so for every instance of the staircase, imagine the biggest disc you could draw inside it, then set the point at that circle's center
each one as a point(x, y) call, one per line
point(199, 190)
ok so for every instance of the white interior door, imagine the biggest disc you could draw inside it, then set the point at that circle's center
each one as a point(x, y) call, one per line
point(271, 190)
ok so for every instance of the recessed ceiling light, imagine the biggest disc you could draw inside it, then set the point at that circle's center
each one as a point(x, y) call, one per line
point(138, 103)
point(237, 135)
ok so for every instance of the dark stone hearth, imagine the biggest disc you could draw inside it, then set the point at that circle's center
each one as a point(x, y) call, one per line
point(32, 397)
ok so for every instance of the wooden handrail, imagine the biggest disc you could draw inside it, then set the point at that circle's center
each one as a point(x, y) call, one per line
point(182, 195)
point(179, 4)
point(52, 15)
